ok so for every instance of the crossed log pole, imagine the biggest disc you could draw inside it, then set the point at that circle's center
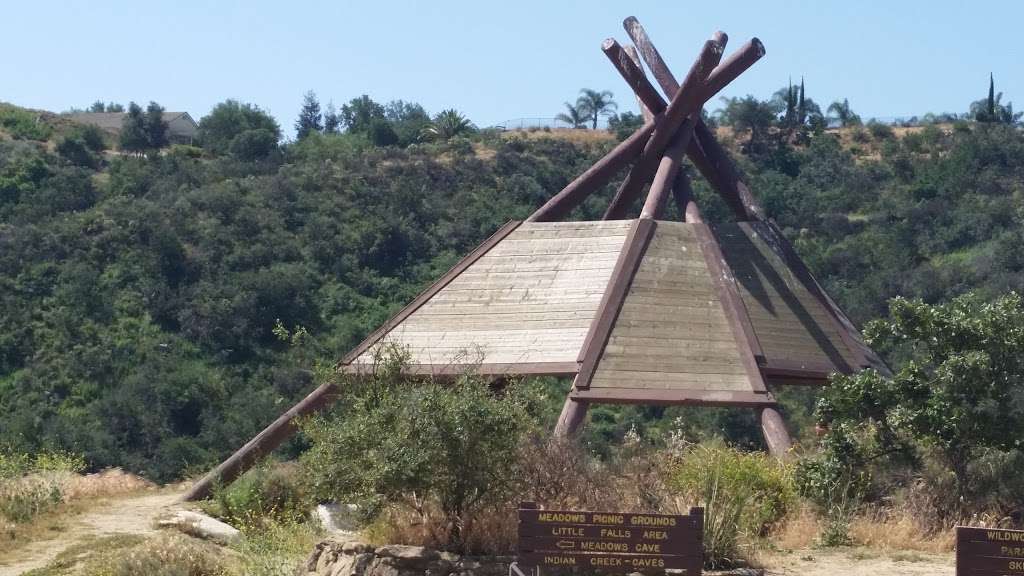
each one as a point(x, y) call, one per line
point(671, 130)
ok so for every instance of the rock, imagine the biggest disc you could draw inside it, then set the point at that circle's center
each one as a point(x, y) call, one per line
point(335, 517)
point(356, 547)
point(408, 555)
point(199, 525)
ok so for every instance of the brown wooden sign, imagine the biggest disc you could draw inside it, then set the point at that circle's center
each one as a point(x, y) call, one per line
point(989, 552)
point(611, 541)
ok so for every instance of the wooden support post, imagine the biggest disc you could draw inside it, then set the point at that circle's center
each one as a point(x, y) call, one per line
point(574, 412)
point(775, 433)
point(263, 444)
point(682, 191)
point(665, 177)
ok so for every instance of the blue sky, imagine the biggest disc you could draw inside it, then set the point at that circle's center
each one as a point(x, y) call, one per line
point(493, 60)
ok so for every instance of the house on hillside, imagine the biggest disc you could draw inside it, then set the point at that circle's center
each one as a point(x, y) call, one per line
point(181, 128)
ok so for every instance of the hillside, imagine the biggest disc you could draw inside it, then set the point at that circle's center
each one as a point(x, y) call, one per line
point(141, 296)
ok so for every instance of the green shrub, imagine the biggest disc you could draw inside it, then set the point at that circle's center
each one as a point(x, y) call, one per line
point(265, 493)
point(399, 441)
point(254, 144)
point(23, 124)
point(880, 131)
point(743, 494)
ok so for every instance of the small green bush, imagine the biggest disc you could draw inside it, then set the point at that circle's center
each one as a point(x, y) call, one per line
point(743, 494)
point(880, 131)
point(267, 492)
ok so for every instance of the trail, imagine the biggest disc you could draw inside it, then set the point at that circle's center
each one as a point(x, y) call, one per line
point(860, 562)
point(128, 515)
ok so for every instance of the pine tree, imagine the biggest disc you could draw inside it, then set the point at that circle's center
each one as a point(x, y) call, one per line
point(801, 108)
point(991, 108)
point(133, 130)
point(791, 106)
point(332, 122)
point(155, 127)
point(310, 119)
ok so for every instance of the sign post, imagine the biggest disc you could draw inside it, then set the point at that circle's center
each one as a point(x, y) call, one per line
point(611, 541)
point(989, 552)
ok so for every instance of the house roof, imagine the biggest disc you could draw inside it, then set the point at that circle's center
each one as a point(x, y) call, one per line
point(179, 123)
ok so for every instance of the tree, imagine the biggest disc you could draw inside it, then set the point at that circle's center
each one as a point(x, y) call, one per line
point(332, 122)
point(156, 127)
point(133, 130)
point(991, 109)
point(843, 113)
point(408, 119)
point(750, 114)
point(961, 392)
point(114, 107)
point(573, 116)
point(228, 120)
point(254, 144)
point(310, 120)
point(448, 124)
point(381, 133)
point(359, 114)
point(97, 106)
point(594, 104)
point(623, 125)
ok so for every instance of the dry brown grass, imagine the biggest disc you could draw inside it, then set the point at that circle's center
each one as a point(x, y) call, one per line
point(798, 530)
point(898, 531)
point(568, 134)
point(109, 482)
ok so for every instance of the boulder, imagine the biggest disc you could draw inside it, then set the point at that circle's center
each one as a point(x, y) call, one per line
point(199, 525)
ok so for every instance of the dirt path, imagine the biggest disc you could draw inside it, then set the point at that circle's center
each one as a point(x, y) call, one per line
point(132, 515)
point(860, 562)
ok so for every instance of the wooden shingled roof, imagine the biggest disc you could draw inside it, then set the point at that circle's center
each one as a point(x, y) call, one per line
point(640, 310)
point(637, 307)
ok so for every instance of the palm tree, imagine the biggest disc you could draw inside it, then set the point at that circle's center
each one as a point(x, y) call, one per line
point(573, 116)
point(594, 104)
point(844, 113)
point(448, 124)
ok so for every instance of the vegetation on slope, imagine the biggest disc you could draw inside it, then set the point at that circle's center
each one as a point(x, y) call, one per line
point(140, 293)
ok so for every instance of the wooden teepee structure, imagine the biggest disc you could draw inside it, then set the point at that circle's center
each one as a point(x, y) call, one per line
point(636, 309)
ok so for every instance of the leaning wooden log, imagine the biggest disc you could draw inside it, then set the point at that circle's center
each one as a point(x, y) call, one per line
point(596, 176)
point(689, 101)
point(705, 152)
point(682, 191)
point(727, 177)
point(263, 444)
point(634, 76)
point(665, 177)
point(644, 110)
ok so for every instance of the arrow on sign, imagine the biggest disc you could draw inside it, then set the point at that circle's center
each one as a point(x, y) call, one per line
point(565, 544)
